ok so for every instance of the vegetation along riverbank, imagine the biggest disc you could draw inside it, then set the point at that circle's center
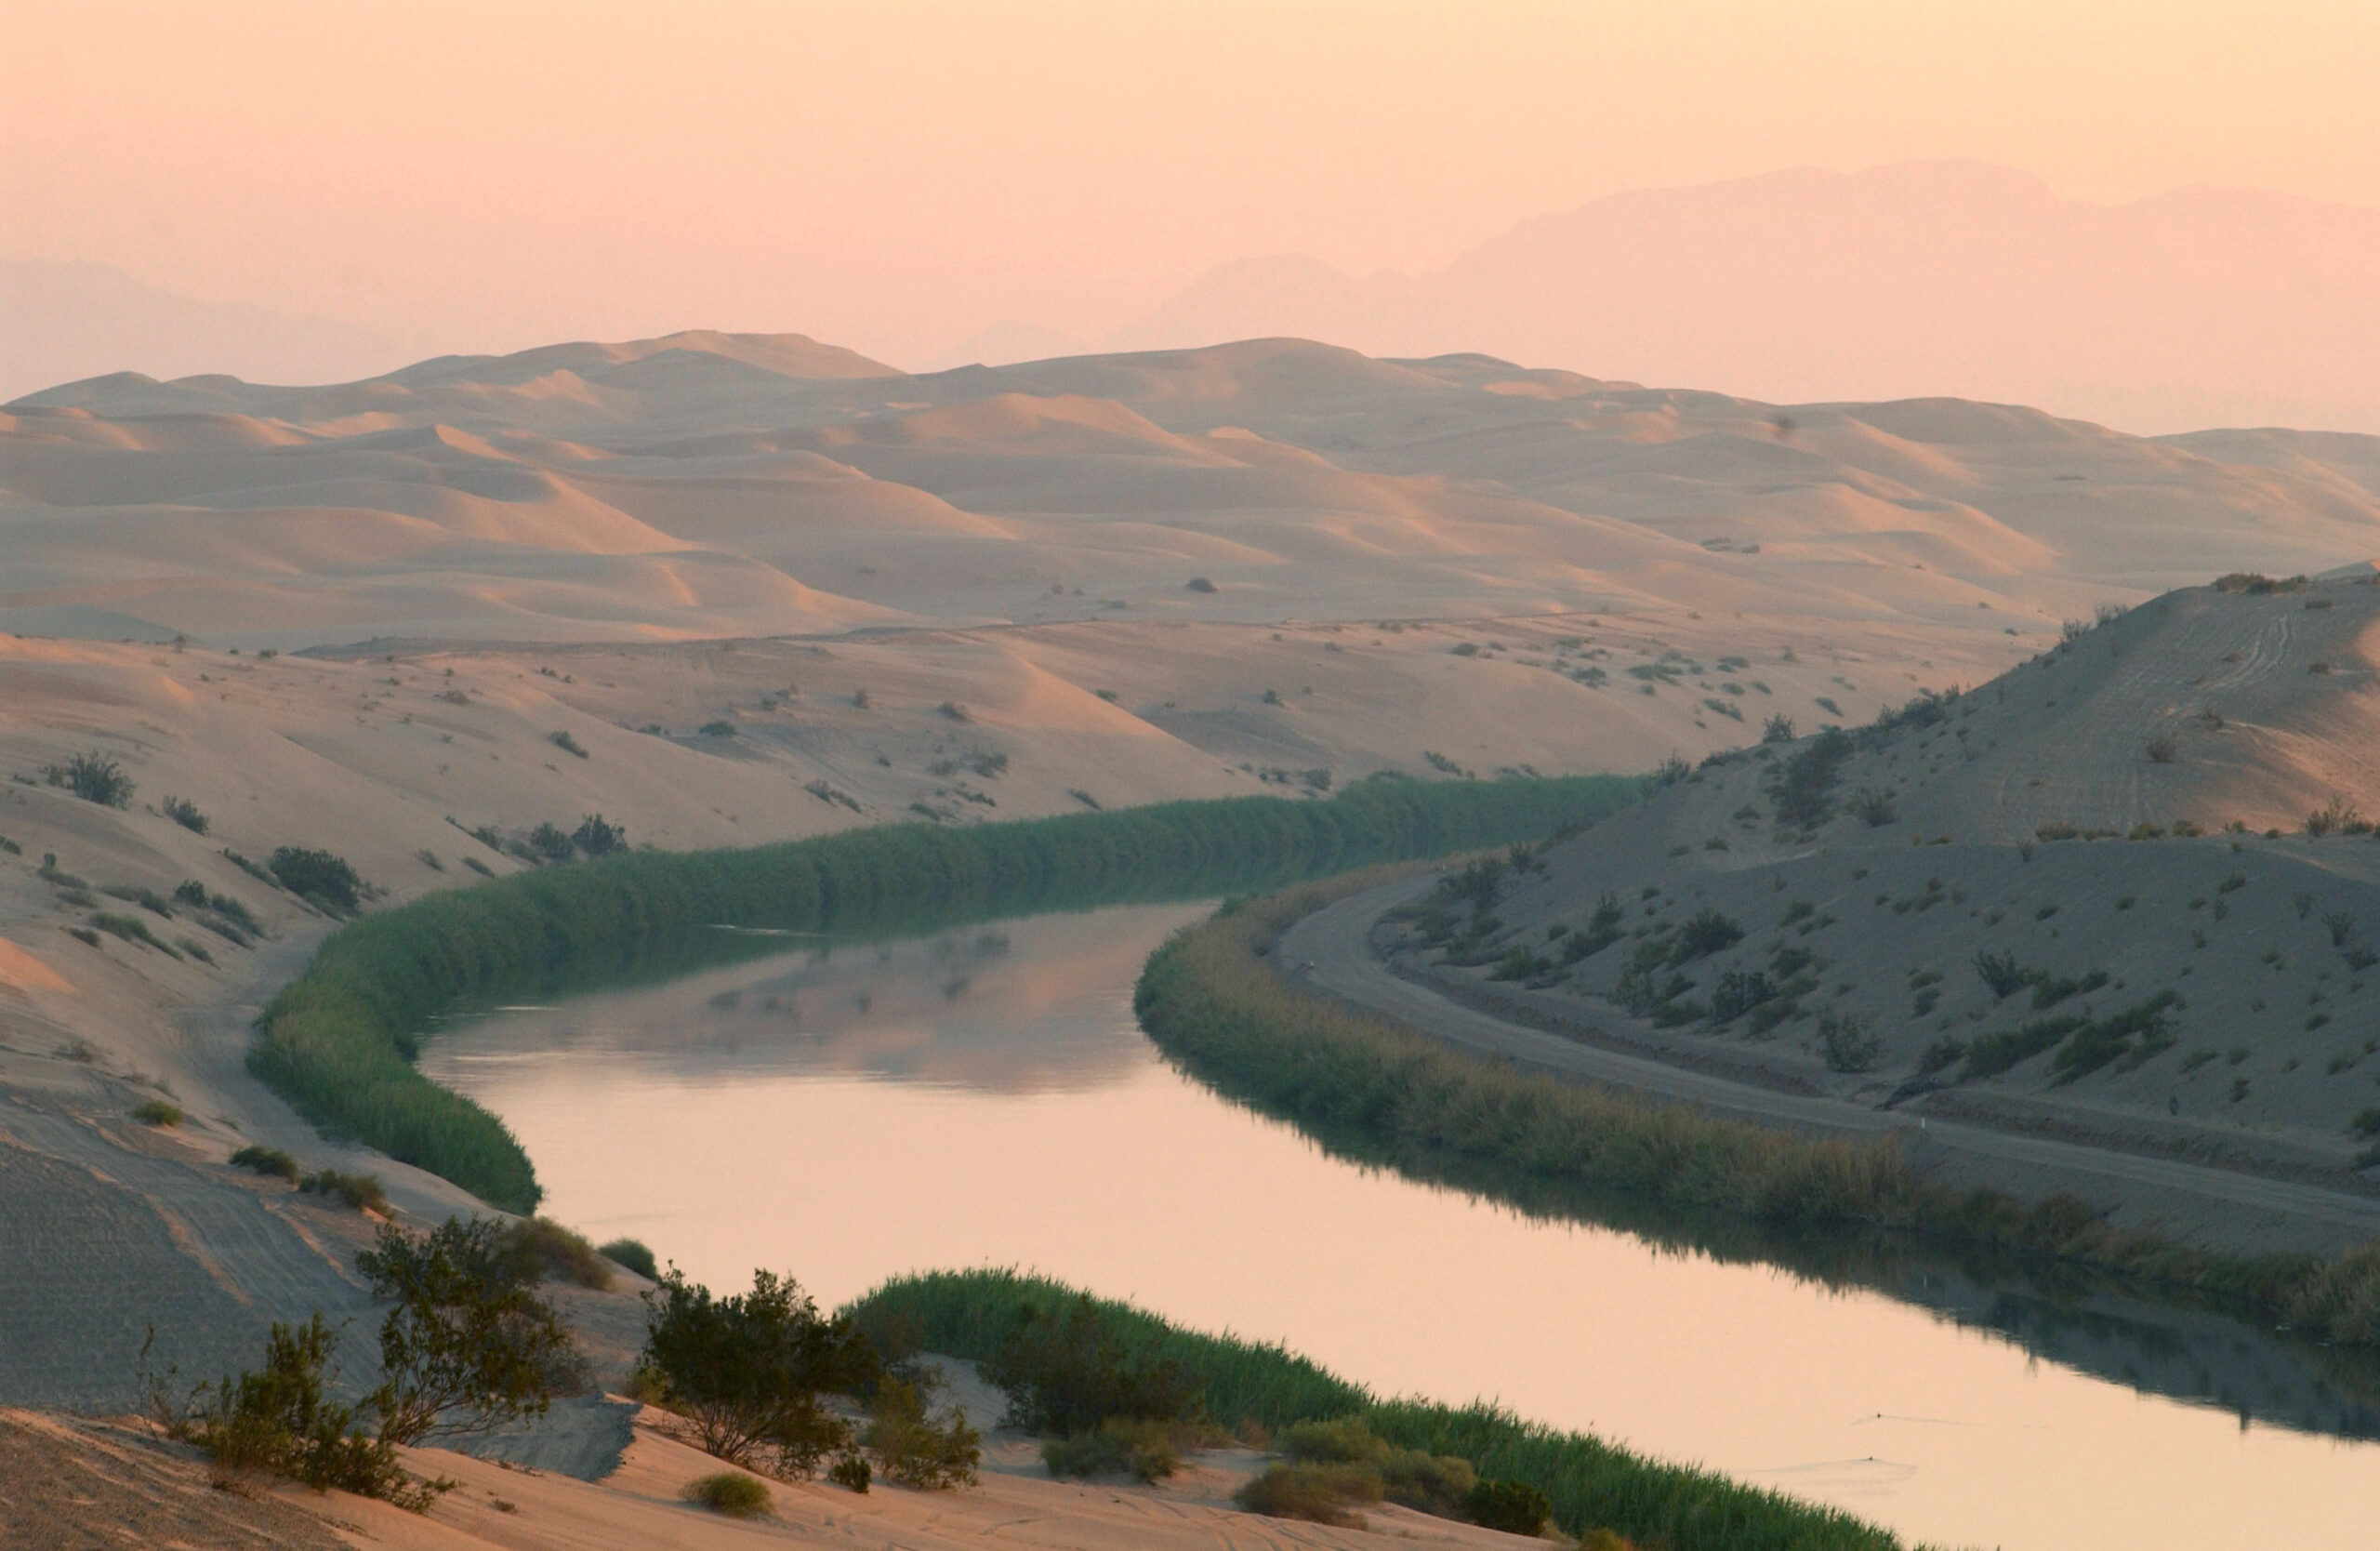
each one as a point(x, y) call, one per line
point(1238, 1384)
point(339, 1043)
point(1365, 1086)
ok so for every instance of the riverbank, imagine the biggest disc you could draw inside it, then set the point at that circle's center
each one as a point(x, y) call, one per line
point(1256, 1389)
point(1362, 1084)
point(339, 1043)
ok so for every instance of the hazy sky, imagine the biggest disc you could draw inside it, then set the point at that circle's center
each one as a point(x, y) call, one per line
point(893, 176)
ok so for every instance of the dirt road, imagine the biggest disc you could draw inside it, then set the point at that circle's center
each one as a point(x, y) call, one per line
point(1330, 951)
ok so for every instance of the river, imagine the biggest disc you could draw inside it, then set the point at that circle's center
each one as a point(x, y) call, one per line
point(848, 1112)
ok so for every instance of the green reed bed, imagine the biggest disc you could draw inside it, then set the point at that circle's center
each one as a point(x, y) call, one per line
point(1370, 1088)
point(1592, 1484)
point(339, 1041)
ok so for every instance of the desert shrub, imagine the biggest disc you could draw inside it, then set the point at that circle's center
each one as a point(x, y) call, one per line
point(468, 1347)
point(731, 1492)
point(1705, 933)
point(2366, 1123)
point(132, 929)
point(158, 1112)
point(193, 893)
point(2001, 975)
point(1846, 1044)
point(1199, 584)
point(2131, 1036)
point(747, 1370)
point(318, 876)
point(280, 1421)
point(1144, 1449)
point(358, 1192)
point(1433, 1483)
point(551, 843)
point(94, 777)
point(1738, 992)
point(184, 812)
point(1317, 1493)
point(2336, 816)
point(913, 1449)
point(1516, 1507)
point(544, 1250)
point(631, 1253)
point(267, 1161)
point(1874, 806)
point(727, 729)
point(1777, 729)
point(2257, 583)
point(597, 837)
point(852, 1471)
point(1802, 786)
point(2163, 750)
point(567, 744)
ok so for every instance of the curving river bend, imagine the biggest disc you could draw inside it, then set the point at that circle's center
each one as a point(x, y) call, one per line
point(984, 1096)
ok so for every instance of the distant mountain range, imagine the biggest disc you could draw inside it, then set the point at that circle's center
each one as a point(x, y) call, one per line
point(2198, 307)
point(63, 322)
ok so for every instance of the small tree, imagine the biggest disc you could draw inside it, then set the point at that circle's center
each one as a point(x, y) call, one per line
point(1777, 729)
point(748, 1370)
point(469, 1345)
point(280, 1421)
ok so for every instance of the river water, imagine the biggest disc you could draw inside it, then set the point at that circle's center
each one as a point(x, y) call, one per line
point(845, 1113)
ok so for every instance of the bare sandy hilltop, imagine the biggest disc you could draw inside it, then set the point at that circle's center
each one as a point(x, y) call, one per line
point(1967, 749)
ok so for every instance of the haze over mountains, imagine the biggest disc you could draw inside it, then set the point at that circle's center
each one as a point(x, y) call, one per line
point(2193, 309)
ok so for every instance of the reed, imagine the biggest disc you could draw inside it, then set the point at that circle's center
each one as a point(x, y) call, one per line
point(1592, 1484)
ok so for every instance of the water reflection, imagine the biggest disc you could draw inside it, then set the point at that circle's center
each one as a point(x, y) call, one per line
point(962, 1009)
point(983, 1097)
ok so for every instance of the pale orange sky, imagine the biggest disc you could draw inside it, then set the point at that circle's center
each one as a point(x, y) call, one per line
point(896, 176)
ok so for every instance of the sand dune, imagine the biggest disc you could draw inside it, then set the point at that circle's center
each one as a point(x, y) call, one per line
point(715, 485)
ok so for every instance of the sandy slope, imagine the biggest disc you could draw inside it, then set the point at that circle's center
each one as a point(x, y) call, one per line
point(2257, 954)
point(60, 1480)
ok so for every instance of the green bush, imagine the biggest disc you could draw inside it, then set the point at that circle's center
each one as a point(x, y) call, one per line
point(267, 1161)
point(731, 1492)
point(158, 1112)
point(1516, 1507)
point(184, 812)
point(852, 1471)
point(1318, 1493)
point(360, 1192)
point(1066, 1371)
point(318, 876)
point(338, 1043)
point(747, 1370)
point(1142, 1447)
point(94, 777)
point(279, 1421)
point(913, 1449)
point(631, 1253)
point(545, 1250)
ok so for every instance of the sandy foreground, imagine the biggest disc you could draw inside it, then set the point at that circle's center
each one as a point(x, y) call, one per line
point(74, 1483)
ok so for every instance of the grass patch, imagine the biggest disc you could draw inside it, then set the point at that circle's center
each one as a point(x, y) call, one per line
point(731, 1492)
point(159, 1112)
point(267, 1161)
